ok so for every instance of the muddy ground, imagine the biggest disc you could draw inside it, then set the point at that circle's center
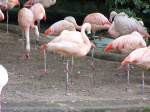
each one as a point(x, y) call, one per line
point(27, 91)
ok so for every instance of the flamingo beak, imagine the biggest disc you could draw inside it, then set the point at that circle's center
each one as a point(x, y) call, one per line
point(44, 18)
point(108, 48)
point(46, 33)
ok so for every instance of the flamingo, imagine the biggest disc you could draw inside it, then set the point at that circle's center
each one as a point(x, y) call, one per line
point(7, 5)
point(98, 22)
point(45, 3)
point(38, 12)
point(70, 43)
point(126, 44)
point(1, 15)
point(72, 20)
point(141, 58)
point(3, 80)
point(123, 25)
point(56, 28)
point(26, 21)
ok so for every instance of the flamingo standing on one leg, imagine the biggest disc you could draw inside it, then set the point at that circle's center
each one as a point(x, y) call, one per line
point(70, 43)
point(26, 21)
point(7, 5)
point(98, 22)
point(141, 58)
point(3, 81)
point(38, 12)
point(122, 25)
point(126, 44)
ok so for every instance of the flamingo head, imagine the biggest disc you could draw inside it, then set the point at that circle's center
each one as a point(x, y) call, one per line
point(112, 15)
point(48, 31)
point(52, 2)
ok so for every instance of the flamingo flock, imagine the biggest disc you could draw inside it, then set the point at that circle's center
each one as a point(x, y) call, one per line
point(71, 39)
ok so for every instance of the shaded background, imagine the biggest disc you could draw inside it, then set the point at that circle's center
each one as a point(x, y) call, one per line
point(80, 8)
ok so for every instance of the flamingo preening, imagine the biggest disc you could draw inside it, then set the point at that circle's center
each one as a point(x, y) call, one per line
point(126, 44)
point(122, 25)
point(70, 43)
point(3, 81)
point(26, 21)
point(38, 13)
point(73, 20)
point(56, 28)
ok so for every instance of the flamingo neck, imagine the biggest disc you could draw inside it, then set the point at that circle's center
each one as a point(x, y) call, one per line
point(85, 37)
point(77, 26)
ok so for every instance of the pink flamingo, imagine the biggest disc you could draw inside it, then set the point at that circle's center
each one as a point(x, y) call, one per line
point(1, 15)
point(139, 57)
point(70, 43)
point(126, 44)
point(45, 3)
point(7, 5)
point(98, 22)
point(56, 28)
point(123, 25)
point(3, 80)
point(38, 12)
point(26, 21)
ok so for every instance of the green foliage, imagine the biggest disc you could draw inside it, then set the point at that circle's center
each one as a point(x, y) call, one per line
point(131, 7)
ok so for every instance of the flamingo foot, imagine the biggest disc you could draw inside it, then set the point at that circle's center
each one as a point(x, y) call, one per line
point(128, 89)
point(44, 72)
point(25, 57)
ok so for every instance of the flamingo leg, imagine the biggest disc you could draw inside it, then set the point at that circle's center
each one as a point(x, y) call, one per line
point(7, 19)
point(143, 83)
point(127, 70)
point(45, 62)
point(128, 75)
point(23, 38)
point(67, 76)
point(72, 63)
point(38, 23)
point(93, 67)
point(27, 43)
